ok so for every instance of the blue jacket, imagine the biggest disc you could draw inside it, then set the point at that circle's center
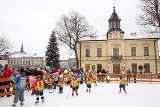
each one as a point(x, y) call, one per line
point(20, 82)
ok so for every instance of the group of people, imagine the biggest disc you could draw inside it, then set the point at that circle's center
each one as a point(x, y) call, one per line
point(51, 79)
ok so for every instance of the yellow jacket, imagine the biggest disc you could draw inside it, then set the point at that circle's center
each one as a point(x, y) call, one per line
point(122, 81)
point(39, 85)
point(74, 83)
point(89, 80)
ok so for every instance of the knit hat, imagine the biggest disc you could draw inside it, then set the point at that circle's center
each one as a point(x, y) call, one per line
point(22, 70)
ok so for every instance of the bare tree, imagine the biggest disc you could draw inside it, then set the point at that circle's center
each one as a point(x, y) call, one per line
point(70, 29)
point(4, 44)
point(150, 18)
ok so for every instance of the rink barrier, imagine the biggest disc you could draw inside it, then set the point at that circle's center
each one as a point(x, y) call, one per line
point(132, 77)
point(100, 78)
point(10, 86)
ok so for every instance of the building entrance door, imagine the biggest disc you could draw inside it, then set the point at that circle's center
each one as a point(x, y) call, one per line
point(116, 69)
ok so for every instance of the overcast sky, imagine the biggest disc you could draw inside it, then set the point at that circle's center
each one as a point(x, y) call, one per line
point(31, 21)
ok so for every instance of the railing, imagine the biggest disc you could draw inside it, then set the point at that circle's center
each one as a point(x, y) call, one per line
point(132, 77)
point(10, 86)
point(101, 77)
point(116, 57)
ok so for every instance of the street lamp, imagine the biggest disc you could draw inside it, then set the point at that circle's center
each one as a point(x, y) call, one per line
point(31, 58)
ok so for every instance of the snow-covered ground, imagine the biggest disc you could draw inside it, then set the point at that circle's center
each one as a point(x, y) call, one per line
point(102, 95)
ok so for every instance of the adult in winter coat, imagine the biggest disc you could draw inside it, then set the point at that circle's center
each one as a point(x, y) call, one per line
point(6, 74)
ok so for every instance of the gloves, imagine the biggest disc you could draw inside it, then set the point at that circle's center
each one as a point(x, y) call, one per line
point(12, 79)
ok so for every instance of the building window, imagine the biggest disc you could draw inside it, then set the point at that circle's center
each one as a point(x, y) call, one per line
point(87, 52)
point(99, 67)
point(133, 51)
point(114, 24)
point(116, 51)
point(23, 63)
point(74, 63)
point(146, 51)
point(134, 66)
point(146, 67)
point(87, 67)
point(70, 63)
point(99, 52)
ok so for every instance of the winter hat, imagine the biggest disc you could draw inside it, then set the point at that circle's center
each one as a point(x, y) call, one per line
point(22, 70)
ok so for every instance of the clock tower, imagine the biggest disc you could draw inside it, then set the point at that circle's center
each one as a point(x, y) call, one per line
point(114, 31)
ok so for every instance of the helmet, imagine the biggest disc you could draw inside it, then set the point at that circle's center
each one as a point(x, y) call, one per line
point(61, 76)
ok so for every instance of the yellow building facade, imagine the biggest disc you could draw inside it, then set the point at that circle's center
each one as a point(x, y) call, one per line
point(116, 53)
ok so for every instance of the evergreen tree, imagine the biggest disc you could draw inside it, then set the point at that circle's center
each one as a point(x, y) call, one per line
point(52, 52)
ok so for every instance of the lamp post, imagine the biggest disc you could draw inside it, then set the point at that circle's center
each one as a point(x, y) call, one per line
point(31, 59)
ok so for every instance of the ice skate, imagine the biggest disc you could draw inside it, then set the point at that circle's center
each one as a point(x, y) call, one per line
point(42, 100)
point(36, 102)
point(21, 103)
point(86, 90)
point(13, 105)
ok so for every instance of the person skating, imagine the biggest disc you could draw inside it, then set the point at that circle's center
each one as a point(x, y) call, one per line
point(19, 88)
point(39, 86)
point(60, 84)
point(94, 75)
point(74, 84)
point(49, 83)
point(122, 84)
point(89, 80)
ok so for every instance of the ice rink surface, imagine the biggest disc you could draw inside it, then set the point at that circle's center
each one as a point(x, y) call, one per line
point(102, 95)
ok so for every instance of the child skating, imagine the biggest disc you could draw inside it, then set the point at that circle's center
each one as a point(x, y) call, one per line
point(39, 86)
point(20, 86)
point(74, 84)
point(122, 84)
point(89, 80)
point(60, 84)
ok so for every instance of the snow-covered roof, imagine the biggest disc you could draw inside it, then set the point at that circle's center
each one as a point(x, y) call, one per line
point(65, 57)
point(38, 56)
point(137, 36)
point(20, 54)
point(23, 54)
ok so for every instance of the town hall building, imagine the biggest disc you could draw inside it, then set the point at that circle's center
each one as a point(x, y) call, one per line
point(117, 53)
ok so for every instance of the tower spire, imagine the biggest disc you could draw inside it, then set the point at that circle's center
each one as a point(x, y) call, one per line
point(21, 51)
point(114, 22)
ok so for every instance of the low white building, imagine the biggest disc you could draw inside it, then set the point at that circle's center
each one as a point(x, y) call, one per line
point(25, 59)
point(68, 61)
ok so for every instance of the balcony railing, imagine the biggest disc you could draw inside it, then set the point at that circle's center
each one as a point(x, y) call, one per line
point(116, 57)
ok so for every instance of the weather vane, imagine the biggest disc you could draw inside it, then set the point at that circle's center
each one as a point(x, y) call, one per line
point(114, 3)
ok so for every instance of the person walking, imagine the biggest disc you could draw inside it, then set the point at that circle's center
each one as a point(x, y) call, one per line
point(134, 72)
point(128, 72)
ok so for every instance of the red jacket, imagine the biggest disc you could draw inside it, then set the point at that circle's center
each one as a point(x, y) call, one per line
point(7, 72)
